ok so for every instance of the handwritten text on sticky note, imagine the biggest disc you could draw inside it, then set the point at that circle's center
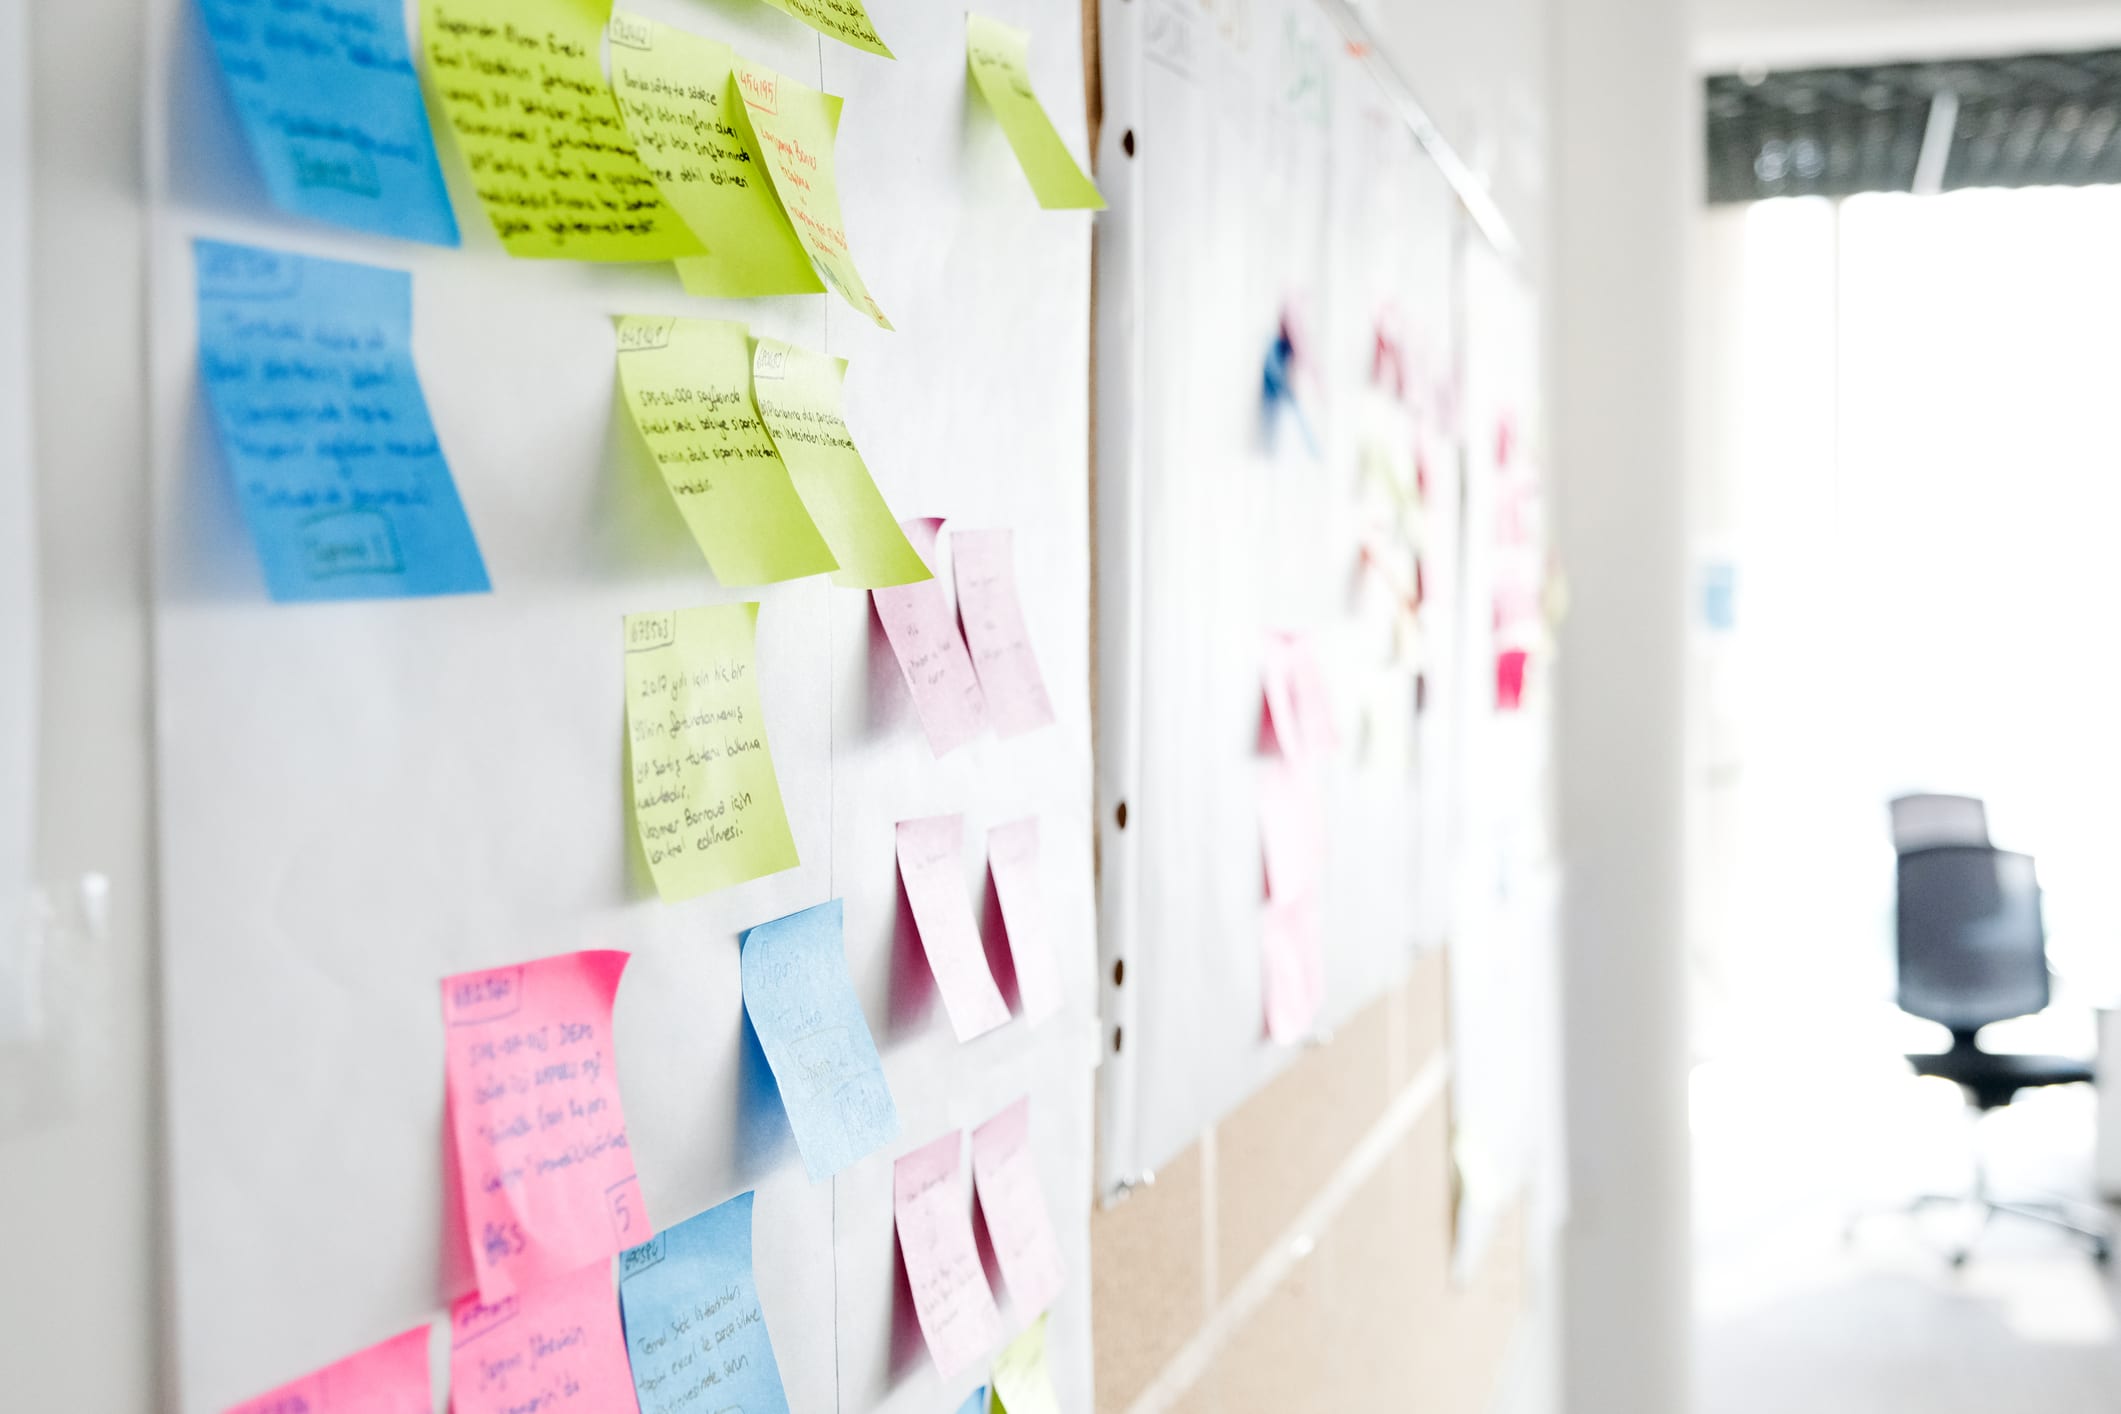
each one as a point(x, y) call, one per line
point(922, 629)
point(308, 368)
point(845, 20)
point(802, 1006)
point(951, 1300)
point(695, 1333)
point(1005, 1172)
point(705, 798)
point(546, 1173)
point(555, 1348)
point(1000, 60)
point(995, 631)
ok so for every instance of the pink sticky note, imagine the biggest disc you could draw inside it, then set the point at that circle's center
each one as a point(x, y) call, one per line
point(1005, 1173)
point(390, 1378)
point(555, 1347)
point(1299, 715)
point(928, 853)
point(1012, 857)
point(1292, 828)
point(1292, 970)
point(931, 653)
point(545, 1173)
point(950, 1296)
point(996, 633)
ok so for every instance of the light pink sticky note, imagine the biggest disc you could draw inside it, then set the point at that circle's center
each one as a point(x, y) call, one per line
point(950, 1295)
point(545, 1173)
point(1012, 857)
point(556, 1348)
point(1005, 1173)
point(931, 653)
point(388, 1378)
point(1292, 828)
point(995, 631)
point(928, 863)
point(1299, 715)
point(1292, 970)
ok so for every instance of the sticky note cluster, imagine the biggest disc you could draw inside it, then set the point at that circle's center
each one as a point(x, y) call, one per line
point(307, 366)
point(1297, 731)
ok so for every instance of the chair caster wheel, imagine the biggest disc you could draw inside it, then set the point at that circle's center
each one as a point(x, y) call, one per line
point(2103, 1253)
point(1959, 1259)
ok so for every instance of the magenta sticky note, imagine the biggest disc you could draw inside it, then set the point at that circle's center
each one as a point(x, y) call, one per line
point(931, 653)
point(1299, 706)
point(1012, 858)
point(985, 563)
point(388, 1378)
point(1292, 827)
point(929, 865)
point(951, 1299)
point(555, 1347)
point(545, 1174)
point(1292, 970)
point(1005, 1174)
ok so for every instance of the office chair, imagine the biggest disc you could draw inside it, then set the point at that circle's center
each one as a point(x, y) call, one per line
point(1926, 821)
point(1973, 951)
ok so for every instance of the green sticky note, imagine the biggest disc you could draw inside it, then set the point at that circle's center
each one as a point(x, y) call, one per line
point(705, 799)
point(1000, 60)
point(688, 385)
point(843, 20)
point(677, 93)
point(799, 397)
point(522, 84)
point(1023, 1378)
point(793, 129)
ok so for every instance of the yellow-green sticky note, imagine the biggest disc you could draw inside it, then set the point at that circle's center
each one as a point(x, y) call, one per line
point(677, 93)
point(1023, 1380)
point(688, 385)
point(522, 84)
point(843, 20)
point(793, 129)
point(799, 397)
point(705, 798)
point(1000, 60)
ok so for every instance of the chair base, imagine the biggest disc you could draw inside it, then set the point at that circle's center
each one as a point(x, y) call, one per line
point(2055, 1215)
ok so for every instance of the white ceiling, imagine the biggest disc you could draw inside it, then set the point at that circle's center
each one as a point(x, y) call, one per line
point(1730, 34)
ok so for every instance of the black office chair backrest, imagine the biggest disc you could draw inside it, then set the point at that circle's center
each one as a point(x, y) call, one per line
point(1972, 949)
point(1926, 821)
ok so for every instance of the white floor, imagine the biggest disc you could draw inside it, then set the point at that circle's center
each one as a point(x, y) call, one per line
point(1796, 1312)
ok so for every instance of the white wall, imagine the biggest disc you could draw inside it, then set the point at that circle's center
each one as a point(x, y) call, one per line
point(77, 1192)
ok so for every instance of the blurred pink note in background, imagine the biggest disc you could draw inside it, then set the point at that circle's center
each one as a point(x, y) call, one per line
point(1292, 970)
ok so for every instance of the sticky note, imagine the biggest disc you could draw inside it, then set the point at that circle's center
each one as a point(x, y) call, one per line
point(1023, 1377)
point(1299, 707)
point(844, 20)
point(950, 1297)
point(798, 395)
point(922, 629)
point(817, 1043)
point(388, 1378)
point(793, 129)
point(1005, 1175)
point(308, 368)
point(554, 1348)
point(705, 799)
point(1012, 858)
point(928, 854)
point(330, 103)
point(995, 631)
point(975, 1402)
point(1292, 828)
point(677, 94)
point(1000, 60)
point(694, 1331)
point(522, 84)
point(546, 1174)
point(688, 385)
point(1292, 969)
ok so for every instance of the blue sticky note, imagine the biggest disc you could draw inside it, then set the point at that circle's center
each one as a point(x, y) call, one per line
point(331, 104)
point(694, 1330)
point(975, 1402)
point(308, 367)
point(810, 1025)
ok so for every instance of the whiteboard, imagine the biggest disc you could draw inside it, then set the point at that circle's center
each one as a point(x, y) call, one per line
point(357, 799)
point(1271, 175)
